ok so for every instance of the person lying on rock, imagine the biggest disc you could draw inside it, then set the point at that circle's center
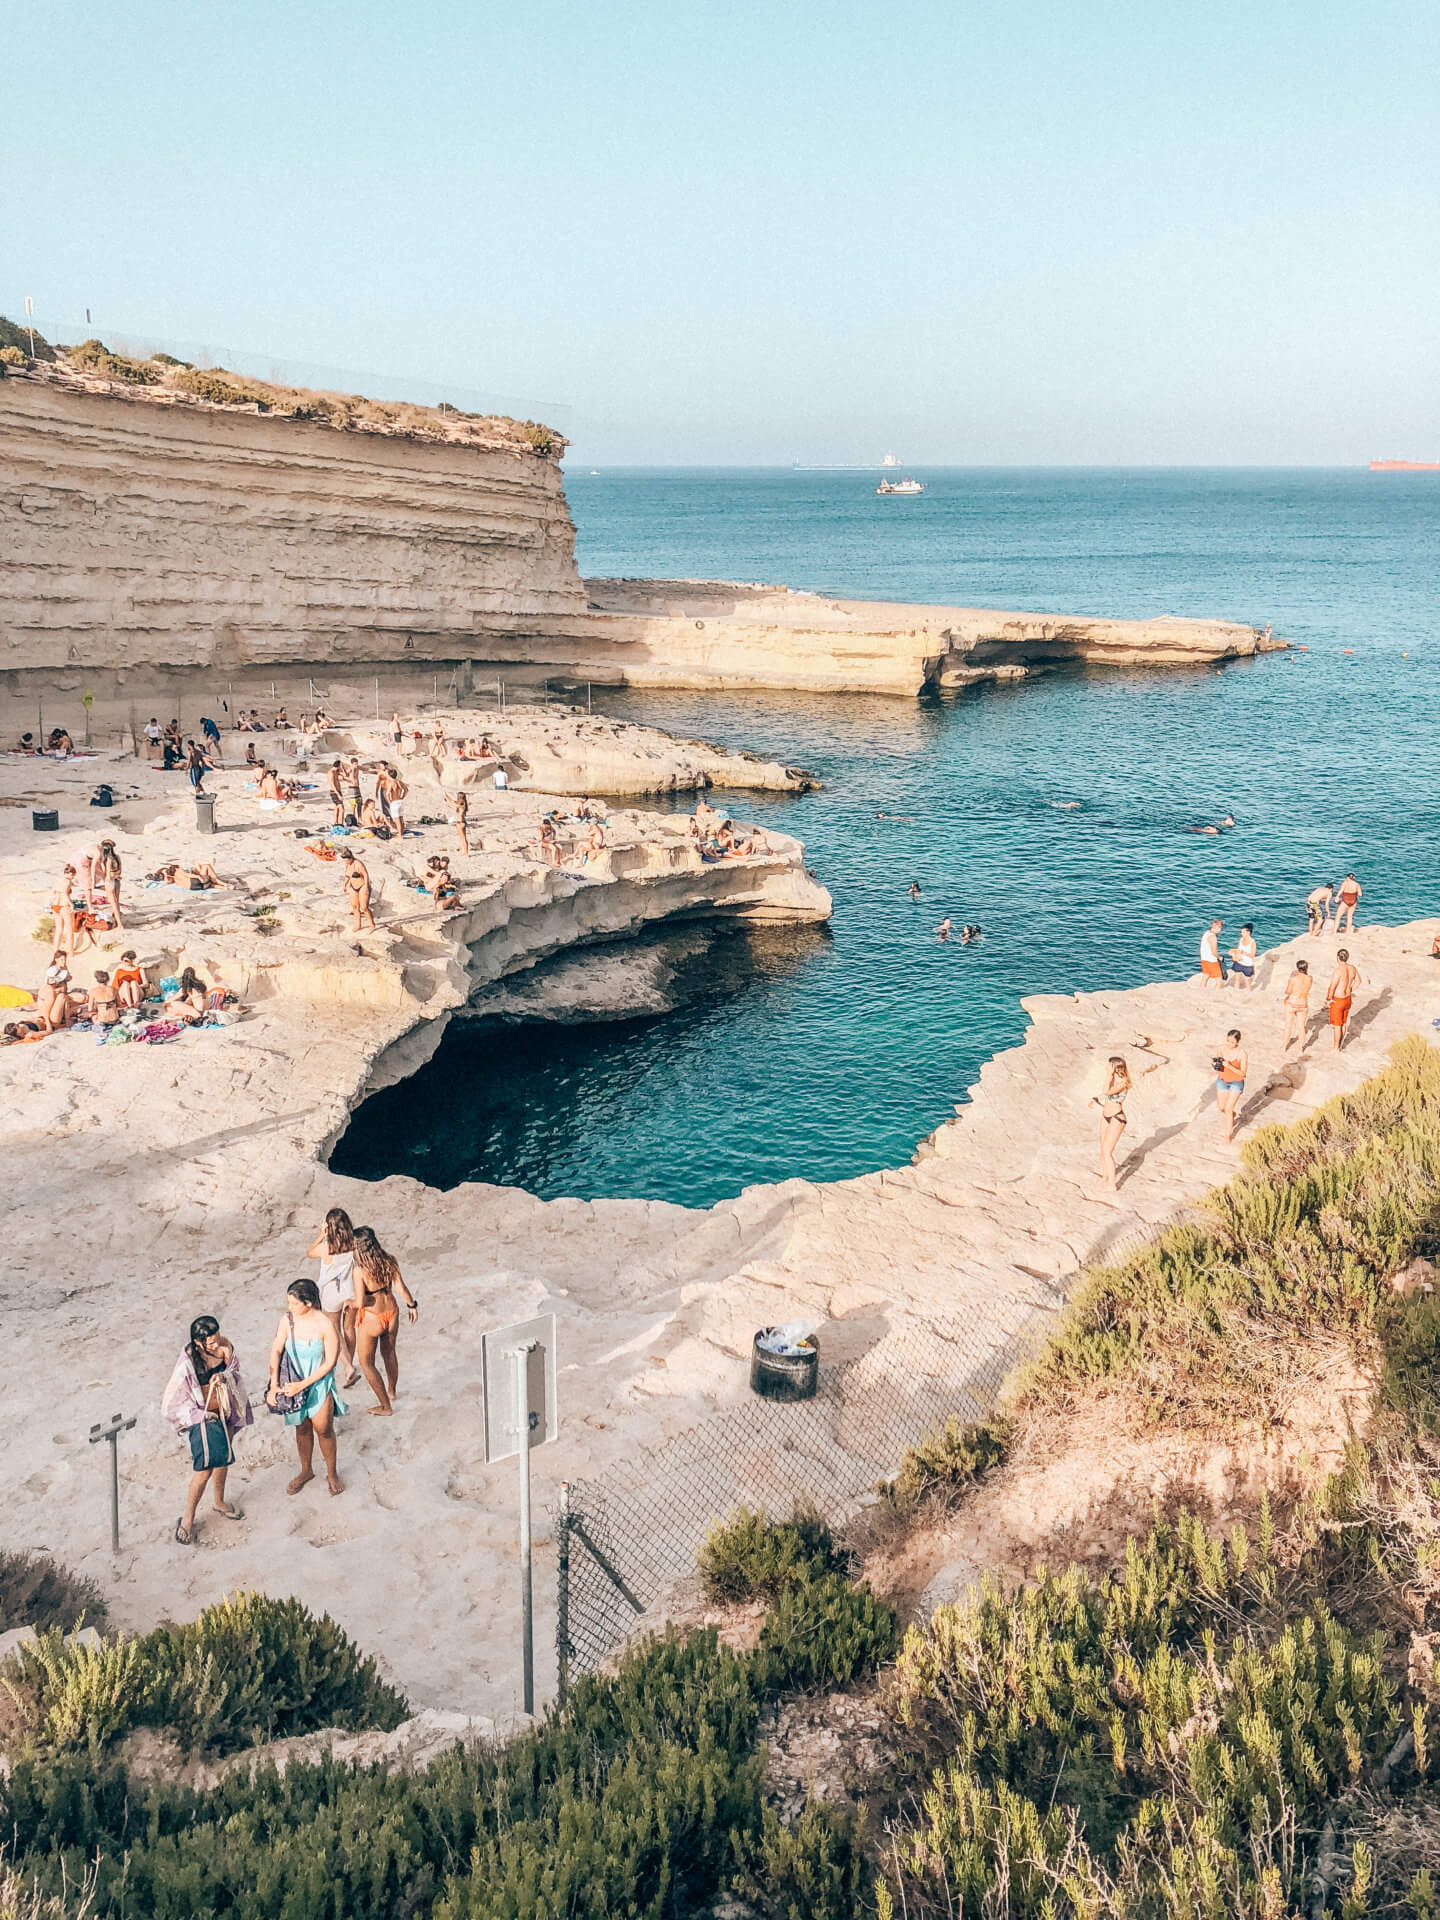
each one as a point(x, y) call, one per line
point(201, 878)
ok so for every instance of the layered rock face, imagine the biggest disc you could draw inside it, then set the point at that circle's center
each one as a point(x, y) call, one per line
point(136, 534)
point(142, 530)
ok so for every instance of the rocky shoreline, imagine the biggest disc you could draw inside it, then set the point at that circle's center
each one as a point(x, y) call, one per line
point(149, 1184)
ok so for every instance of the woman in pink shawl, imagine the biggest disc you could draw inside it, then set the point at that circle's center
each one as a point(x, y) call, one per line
point(206, 1402)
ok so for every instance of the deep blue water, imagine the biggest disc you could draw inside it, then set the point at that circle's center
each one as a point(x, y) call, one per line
point(832, 1055)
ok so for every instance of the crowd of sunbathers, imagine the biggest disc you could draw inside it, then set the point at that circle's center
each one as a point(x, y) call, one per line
point(123, 1002)
point(58, 744)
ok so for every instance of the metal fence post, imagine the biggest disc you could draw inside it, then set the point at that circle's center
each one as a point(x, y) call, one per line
point(521, 1357)
point(562, 1595)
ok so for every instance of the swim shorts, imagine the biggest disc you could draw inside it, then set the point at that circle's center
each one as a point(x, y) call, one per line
point(1339, 1012)
point(1211, 969)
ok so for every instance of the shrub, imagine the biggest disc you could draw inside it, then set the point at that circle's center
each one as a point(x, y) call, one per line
point(36, 1591)
point(824, 1631)
point(169, 360)
point(250, 1668)
point(220, 392)
point(13, 357)
point(44, 929)
point(813, 1870)
point(953, 1456)
point(748, 1557)
point(28, 343)
point(1410, 1383)
point(95, 357)
point(540, 440)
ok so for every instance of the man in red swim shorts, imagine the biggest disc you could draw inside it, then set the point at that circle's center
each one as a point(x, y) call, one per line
point(1340, 993)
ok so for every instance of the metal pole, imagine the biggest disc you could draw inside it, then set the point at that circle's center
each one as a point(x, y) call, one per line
point(588, 707)
point(527, 1593)
point(115, 1486)
point(377, 696)
point(562, 1597)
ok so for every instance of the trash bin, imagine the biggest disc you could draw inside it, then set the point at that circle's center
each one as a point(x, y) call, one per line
point(205, 813)
point(45, 819)
point(790, 1374)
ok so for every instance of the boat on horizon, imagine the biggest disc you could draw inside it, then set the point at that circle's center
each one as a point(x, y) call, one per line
point(901, 486)
point(1405, 466)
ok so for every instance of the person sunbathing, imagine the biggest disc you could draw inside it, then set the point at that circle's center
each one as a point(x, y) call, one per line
point(104, 1000)
point(594, 843)
point(26, 744)
point(187, 1003)
point(52, 1003)
point(372, 815)
point(201, 878)
point(549, 841)
point(59, 741)
point(23, 1033)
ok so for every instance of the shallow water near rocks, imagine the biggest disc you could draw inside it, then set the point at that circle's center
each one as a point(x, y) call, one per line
point(1055, 812)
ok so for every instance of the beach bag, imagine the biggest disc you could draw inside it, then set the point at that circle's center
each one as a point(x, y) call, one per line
point(118, 1036)
point(285, 1376)
point(170, 984)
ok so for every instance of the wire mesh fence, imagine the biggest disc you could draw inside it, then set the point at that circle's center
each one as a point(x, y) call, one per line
point(625, 1538)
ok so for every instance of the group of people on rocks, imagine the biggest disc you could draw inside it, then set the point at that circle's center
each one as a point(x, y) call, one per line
point(1325, 906)
point(349, 1312)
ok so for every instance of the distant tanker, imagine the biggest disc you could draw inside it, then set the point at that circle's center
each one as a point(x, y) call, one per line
point(1405, 466)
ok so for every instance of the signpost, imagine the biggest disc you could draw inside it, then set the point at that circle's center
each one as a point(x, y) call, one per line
point(517, 1366)
point(112, 1433)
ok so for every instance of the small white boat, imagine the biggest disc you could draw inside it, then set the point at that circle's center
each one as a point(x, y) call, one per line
point(900, 486)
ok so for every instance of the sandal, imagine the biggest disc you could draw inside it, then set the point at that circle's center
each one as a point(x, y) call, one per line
point(184, 1536)
point(224, 1508)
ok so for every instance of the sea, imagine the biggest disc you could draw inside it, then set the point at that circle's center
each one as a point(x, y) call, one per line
point(1059, 814)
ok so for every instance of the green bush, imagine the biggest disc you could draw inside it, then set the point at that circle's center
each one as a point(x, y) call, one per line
point(169, 360)
point(953, 1457)
point(823, 1631)
point(95, 357)
point(248, 1669)
point(540, 440)
point(26, 342)
point(13, 357)
point(36, 1591)
point(749, 1557)
point(813, 1870)
point(1410, 1383)
point(214, 388)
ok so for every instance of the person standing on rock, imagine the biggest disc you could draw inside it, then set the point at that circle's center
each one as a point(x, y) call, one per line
point(1211, 972)
point(337, 797)
point(1297, 1004)
point(1317, 909)
point(357, 886)
point(350, 789)
point(1231, 1067)
point(197, 765)
point(1111, 1103)
point(462, 817)
point(397, 733)
point(207, 1405)
point(1339, 996)
point(335, 1250)
point(1242, 958)
point(1347, 901)
point(391, 790)
point(377, 1276)
point(308, 1337)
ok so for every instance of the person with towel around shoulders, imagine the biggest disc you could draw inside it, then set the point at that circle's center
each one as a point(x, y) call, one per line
point(308, 1338)
point(206, 1403)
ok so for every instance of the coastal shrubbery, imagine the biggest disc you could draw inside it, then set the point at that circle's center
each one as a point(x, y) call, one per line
point(95, 357)
point(26, 342)
point(248, 1669)
point(36, 1591)
point(748, 1557)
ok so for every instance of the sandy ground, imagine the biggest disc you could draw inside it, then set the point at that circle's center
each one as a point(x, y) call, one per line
point(144, 1186)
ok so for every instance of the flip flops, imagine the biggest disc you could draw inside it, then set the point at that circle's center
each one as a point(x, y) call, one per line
point(184, 1536)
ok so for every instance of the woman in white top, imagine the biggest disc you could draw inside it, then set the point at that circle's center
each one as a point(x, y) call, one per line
point(335, 1250)
point(1242, 956)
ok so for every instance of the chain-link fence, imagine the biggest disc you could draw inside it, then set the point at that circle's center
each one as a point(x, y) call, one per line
point(626, 1538)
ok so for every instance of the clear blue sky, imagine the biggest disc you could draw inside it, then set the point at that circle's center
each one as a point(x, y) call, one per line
point(1024, 231)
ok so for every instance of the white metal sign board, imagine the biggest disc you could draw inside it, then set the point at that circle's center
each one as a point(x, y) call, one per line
point(501, 1379)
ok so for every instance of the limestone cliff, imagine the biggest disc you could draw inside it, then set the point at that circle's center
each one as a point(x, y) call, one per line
point(153, 526)
point(189, 535)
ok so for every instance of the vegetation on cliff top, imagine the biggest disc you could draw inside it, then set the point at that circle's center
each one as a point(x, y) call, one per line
point(1224, 1726)
point(164, 375)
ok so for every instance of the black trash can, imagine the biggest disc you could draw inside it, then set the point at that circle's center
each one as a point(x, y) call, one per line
point(785, 1376)
point(45, 819)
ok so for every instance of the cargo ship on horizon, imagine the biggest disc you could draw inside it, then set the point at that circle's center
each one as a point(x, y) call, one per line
point(1405, 466)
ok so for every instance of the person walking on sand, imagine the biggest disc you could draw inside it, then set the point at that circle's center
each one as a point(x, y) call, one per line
point(334, 1248)
point(1242, 959)
point(377, 1315)
point(1339, 995)
point(1231, 1066)
point(1112, 1116)
point(1211, 972)
point(1347, 901)
point(397, 733)
point(197, 765)
point(462, 816)
point(105, 879)
point(1317, 909)
point(206, 1403)
point(307, 1337)
point(1297, 1004)
point(357, 886)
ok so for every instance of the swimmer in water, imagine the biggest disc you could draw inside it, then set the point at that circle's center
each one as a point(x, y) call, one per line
point(914, 889)
point(942, 932)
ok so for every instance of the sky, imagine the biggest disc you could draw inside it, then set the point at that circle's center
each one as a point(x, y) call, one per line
point(1025, 232)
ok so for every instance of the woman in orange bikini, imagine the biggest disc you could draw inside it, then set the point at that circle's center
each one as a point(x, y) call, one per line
point(1346, 902)
point(377, 1314)
point(129, 980)
point(1340, 994)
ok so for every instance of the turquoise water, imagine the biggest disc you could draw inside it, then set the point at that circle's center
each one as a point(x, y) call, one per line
point(1055, 813)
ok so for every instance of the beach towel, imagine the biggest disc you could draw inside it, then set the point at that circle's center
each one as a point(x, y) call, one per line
point(16, 997)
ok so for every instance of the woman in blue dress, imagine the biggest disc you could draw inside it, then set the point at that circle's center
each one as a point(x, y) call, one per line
point(308, 1334)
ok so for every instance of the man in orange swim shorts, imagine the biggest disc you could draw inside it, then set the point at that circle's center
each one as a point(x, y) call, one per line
point(1340, 993)
point(1211, 971)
